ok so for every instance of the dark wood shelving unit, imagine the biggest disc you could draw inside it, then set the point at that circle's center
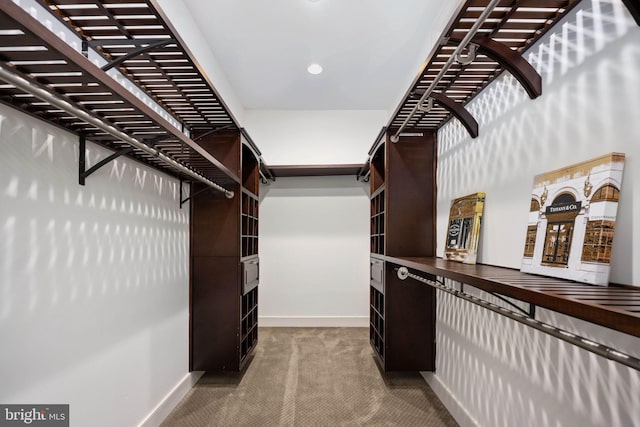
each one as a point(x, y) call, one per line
point(224, 262)
point(402, 315)
point(402, 173)
point(376, 329)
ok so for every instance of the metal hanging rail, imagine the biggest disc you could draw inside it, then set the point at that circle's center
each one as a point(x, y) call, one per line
point(457, 53)
point(21, 83)
point(584, 343)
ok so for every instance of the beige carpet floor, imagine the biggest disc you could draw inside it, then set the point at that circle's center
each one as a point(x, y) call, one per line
point(311, 377)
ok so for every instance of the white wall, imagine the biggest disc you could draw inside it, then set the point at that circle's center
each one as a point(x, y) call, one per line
point(314, 137)
point(314, 252)
point(94, 283)
point(314, 231)
point(492, 371)
point(499, 372)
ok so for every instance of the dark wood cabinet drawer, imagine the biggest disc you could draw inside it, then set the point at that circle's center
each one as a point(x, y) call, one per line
point(250, 274)
point(377, 274)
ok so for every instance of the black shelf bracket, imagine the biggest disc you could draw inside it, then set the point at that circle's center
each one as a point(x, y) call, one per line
point(532, 308)
point(144, 46)
point(83, 172)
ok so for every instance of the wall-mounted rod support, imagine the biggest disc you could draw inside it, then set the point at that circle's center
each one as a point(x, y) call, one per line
point(42, 93)
point(461, 47)
point(365, 177)
point(426, 108)
point(263, 179)
point(530, 313)
point(469, 57)
point(571, 338)
point(513, 62)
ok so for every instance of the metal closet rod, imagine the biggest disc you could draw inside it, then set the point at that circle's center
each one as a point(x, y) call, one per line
point(584, 343)
point(456, 53)
point(43, 94)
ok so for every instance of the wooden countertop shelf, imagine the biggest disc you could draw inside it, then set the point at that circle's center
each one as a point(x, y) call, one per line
point(616, 307)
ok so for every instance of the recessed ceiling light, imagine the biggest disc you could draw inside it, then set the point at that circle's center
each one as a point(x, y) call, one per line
point(314, 69)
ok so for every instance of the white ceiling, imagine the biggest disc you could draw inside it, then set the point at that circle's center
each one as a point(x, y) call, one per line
point(370, 49)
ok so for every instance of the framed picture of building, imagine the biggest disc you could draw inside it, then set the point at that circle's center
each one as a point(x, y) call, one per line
point(572, 217)
point(463, 232)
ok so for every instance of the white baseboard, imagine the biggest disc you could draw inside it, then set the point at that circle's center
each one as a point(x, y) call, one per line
point(171, 400)
point(313, 321)
point(453, 405)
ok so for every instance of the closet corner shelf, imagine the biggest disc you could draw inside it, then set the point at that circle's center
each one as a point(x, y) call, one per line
point(284, 171)
point(615, 306)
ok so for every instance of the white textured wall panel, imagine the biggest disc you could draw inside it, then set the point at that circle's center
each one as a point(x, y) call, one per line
point(93, 280)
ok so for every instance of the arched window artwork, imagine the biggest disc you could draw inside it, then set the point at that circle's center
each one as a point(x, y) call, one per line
point(571, 218)
point(607, 192)
point(557, 242)
point(598, 240)
point(530, 242)
point(598, 235)
point(532, 231)
point(535, 206)
point(564, 198)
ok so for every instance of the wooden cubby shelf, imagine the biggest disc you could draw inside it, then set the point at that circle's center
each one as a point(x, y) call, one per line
point(376, 329)
point(249, 234)
point(377, 221)
point(249, 322)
